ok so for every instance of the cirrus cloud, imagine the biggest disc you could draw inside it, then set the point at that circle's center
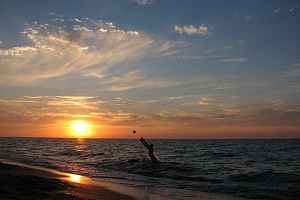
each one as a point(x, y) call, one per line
point(207, 101)
point(70, 45)
point(234, 60)
point(143, 2)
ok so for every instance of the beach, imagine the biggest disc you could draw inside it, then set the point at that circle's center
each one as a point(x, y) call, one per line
point(19, 182)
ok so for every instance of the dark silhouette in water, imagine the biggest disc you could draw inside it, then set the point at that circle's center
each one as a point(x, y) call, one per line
point(150, 152)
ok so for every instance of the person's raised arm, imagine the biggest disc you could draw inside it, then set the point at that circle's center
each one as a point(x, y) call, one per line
point(145, 143)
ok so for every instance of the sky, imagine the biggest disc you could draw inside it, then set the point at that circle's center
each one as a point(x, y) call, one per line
point(196, 69)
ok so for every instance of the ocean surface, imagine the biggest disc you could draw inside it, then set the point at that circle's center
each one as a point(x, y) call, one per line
point(250, 169)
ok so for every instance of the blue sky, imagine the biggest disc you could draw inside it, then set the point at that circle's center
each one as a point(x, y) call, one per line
point(181, 69)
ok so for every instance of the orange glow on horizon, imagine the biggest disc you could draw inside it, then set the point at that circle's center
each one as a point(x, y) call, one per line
point(65, 129)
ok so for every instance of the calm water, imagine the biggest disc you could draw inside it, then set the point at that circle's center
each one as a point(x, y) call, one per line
point(251, 169)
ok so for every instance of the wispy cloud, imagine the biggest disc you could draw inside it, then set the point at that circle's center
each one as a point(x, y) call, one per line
point(295, 86)
point(47, 110)
point(201, 30)
point(234, 60)
point(137, 79)
point(240, 42)
point(293, 73)
point(185, 57)
point(243, 17)
point(143, 2)
point(296, 65)
point(218, 86)
point(277, 10)
point(89, 48)
point(294, 8)
point(208, 100)
point(115, 85)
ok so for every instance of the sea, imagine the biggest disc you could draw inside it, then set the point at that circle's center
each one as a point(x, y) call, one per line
point(246, 169)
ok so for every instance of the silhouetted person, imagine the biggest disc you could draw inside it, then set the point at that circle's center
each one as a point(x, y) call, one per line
point(150, 152)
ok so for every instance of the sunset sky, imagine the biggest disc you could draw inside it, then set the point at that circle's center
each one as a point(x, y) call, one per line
point(165, 68)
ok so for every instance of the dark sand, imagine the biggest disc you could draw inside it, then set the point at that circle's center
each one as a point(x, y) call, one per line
point(21, 182)
point(18, 182)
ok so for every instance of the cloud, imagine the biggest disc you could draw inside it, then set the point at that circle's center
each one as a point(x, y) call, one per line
point(234, 60)
point(240, 42)
point(16, 52)
point(277, 10)
point(295, 86)
point(67, 102)
point(48, 109)
point(115, 85)
point(177, 97)
point(293, 9)
point(207, 101)
point(143, 2)
point(185, 57)
point(35, 111)
point(81, 46)
point(125, 103)
point(293, 73)
point(243, 17)
point(126, 80)
point(218, 86)
point(202, 30)
point(296, 65)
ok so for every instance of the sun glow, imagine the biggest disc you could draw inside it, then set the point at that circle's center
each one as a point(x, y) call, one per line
point(75, 178)
point(80, 128)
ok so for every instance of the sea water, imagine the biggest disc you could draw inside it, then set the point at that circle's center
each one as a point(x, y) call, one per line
point(250, 169)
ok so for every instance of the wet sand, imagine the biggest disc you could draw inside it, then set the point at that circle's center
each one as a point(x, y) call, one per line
point(26, 182)
point(18, 182)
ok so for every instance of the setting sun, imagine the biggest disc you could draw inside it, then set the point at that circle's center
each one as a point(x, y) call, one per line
point(80, 128)
point(75, 178)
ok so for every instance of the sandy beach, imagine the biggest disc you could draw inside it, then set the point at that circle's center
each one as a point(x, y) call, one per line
point(18, 182)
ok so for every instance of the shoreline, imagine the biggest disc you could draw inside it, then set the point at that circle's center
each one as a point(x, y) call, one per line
point(21, 181)
point(18, 181)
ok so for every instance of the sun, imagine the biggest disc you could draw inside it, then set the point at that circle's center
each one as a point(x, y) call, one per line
point(80, 128)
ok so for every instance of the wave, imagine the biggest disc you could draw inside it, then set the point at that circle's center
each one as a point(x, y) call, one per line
point(217, 166)
point(168, 170)
point(267, 177)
